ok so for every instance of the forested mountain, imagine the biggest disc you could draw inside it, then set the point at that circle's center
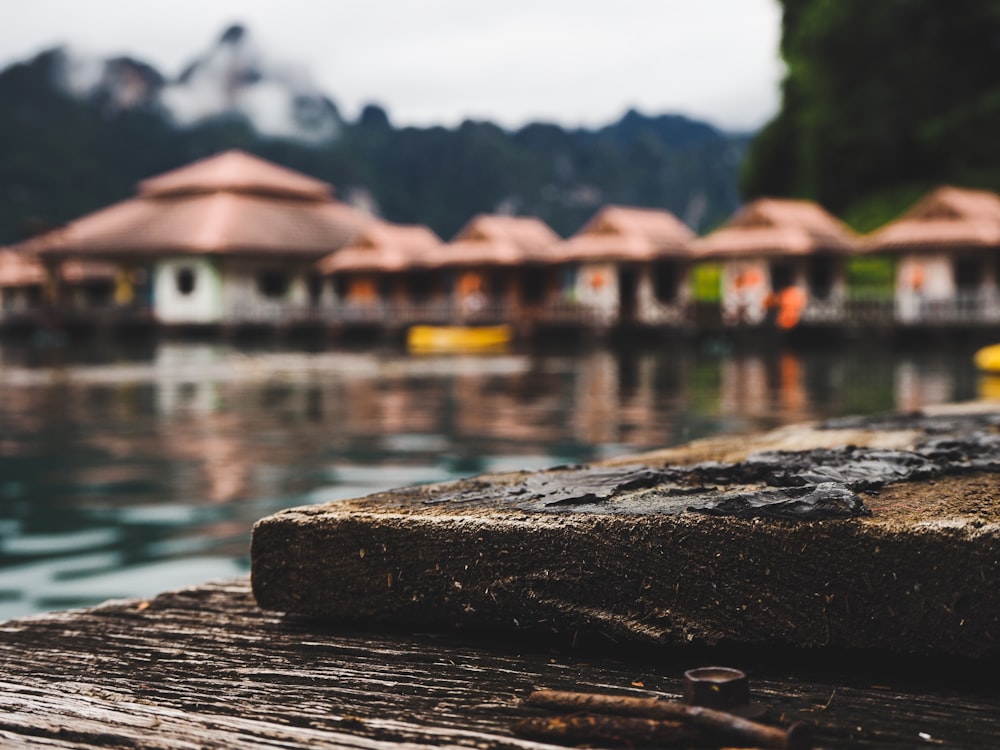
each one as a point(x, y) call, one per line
point(882, 100)
point(73, 140)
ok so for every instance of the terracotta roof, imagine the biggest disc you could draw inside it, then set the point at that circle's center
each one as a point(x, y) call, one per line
point(953, 202)
point(660, 226)
point(495, 240)
point(480, 252)
point(20, 269)
point(382, 246)
point(235, 172)
point(776, 227)
point(76, 271)
point(229, 218)
point(625, 233)
point(945, 217)
point(527, 233)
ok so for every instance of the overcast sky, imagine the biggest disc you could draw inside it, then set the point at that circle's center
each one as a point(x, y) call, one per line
point(575, 62)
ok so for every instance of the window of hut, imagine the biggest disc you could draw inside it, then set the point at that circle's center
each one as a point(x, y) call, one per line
point(628, 293)
point(821, 276)
point(969, 272)
point(186, 280)
point(535, 285)
point(782, 275)
point(314, 285)
point(383, 287)
point(341, 285)
point(98, 293)
point(273, 284)
point(666, 281)
point(421, 286)
point(568, 276)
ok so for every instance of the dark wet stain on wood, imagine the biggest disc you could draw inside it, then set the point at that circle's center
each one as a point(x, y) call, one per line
point(818, 484)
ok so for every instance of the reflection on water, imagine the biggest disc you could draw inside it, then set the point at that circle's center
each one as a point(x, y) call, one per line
point(127, 478)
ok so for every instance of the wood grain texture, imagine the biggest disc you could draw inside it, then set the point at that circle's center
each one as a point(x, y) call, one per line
point(205, 667)
point(853, 547)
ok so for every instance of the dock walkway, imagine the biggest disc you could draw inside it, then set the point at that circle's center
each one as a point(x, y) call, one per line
point(205, 667)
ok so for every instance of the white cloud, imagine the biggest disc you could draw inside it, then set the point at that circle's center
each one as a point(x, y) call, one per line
point(240, 76)
point(443, 60)
point(81, 72)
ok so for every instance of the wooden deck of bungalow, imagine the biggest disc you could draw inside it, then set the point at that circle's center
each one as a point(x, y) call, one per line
point(963, 312)
point(208, 666)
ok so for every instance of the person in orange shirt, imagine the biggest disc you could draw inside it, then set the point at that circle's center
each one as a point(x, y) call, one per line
point(791, 302)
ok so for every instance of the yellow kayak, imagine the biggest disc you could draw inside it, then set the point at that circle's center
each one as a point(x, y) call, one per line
point(458, 338)
point(987, 359)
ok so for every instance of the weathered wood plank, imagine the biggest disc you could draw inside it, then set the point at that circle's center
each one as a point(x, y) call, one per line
point(905, 558)
point(206, 668)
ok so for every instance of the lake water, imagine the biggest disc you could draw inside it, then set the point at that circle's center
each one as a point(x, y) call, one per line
point(125, 474)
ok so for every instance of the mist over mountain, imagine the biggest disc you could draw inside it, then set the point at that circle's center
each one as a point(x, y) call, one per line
point(234, 77)
point(80, 131)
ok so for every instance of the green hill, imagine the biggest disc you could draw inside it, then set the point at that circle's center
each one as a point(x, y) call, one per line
point(65, 155)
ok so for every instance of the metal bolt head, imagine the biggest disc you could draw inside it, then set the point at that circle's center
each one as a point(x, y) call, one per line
point(716, 687)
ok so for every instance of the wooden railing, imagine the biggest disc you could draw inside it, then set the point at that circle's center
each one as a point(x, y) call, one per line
point(855, 310)
point(962, 309)
point(967, 309)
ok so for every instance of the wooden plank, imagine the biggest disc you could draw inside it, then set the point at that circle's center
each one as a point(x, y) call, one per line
point(854, 547)
point(206, 667)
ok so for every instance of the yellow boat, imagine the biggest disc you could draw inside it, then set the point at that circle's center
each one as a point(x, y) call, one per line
point(458, 338)
point(987, 359)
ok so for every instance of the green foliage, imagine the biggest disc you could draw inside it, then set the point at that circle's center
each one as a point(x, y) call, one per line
point(62, 157)
point(706, 282)
point(882, 206)
point(880, 96)
point(872, 276)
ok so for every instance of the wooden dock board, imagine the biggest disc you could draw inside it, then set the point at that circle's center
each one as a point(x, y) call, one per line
point(206, 668)
point(883, 535)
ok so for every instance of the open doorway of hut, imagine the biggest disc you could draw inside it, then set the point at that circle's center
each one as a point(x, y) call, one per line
point(969, 273)
point(821, 274)
point(782, 275)
point(628, 281)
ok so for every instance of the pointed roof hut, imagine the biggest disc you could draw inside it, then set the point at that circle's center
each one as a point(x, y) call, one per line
point(622, 233)
point(18, 269)
point(496, 240)
point(944, 218)
point(383, 247)
point(229, 204)
point(770, 227)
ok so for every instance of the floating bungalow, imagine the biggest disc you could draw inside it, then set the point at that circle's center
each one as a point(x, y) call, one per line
point(626, 266)
point(779, 258)
point(495, 267)
point(945, 250)
point(22, 284)
point(399, 275)
point(89, 287)
point(234, 240)
point(231, 239)
point(384, 275)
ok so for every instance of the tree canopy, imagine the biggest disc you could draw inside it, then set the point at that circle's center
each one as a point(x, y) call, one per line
point(881, 101)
